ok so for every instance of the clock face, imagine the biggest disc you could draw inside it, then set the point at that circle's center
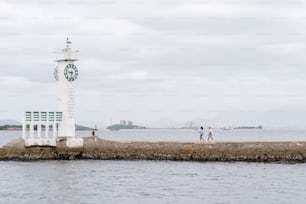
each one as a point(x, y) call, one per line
point(71, 72)
point(56, 73)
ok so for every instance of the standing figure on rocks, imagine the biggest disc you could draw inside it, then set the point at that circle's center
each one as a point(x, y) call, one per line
point(94, 131)
point(210, 135)
point(201, 132)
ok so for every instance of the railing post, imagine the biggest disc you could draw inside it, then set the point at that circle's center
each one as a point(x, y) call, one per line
point(47, 129)
point(24, 129)
point(31, 126)
point(54, 129)
point(31, 130)
point(47, 125)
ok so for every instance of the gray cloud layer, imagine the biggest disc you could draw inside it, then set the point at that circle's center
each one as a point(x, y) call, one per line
point(159, 62)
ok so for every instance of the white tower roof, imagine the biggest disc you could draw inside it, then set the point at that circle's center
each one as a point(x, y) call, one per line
point(67, 54)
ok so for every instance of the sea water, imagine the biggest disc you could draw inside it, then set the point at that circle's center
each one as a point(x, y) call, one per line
point(88, 181)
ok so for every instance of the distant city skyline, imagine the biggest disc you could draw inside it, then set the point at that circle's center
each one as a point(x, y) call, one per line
point(159, 63)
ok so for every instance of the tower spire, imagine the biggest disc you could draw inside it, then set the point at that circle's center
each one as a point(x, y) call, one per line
point(67, 54)
point(68, 42)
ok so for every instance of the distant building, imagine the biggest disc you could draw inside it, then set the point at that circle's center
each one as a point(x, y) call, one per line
point(124, 125)
point(122, 122)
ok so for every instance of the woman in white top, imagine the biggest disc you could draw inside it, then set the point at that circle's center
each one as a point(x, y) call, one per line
point(210, 135)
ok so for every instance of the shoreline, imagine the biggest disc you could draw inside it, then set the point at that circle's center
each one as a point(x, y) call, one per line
point(96, 148)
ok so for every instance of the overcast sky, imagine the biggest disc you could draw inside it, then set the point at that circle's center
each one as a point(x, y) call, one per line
point(159, 63)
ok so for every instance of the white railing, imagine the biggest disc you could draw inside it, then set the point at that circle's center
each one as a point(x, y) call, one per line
point(40, 128)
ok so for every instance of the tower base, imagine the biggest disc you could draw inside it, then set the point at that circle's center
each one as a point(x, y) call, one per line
point(28, 142)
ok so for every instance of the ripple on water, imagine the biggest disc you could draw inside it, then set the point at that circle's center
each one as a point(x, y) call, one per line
point(151, 182)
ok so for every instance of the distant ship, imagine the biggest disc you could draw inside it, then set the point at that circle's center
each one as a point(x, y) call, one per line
point(225, 128)
point(249, 127)
point(242, 127)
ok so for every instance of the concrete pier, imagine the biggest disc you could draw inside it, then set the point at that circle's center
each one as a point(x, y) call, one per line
point(99, 149)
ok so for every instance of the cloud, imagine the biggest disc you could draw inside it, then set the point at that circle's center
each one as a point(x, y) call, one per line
point(14, 81)
point(180, 59)
point(134, 76)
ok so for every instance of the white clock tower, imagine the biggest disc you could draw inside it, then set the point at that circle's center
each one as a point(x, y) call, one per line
point(66, 74)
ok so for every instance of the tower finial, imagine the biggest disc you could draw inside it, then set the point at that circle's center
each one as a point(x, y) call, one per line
point(68, 42)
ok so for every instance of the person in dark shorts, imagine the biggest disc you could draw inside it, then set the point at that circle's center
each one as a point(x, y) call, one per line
point(201, 132)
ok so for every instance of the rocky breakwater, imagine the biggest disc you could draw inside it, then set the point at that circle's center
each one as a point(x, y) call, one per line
point(96, 148)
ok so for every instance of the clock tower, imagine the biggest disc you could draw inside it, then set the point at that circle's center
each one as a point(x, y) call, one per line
point(66, 74)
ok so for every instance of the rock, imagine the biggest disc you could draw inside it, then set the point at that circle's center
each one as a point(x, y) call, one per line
point(176, 151)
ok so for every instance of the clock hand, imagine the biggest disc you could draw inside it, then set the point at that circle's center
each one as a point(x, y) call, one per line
point(71, 72)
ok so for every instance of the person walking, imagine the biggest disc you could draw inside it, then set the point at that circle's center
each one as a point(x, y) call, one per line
point(201, 132)
point(210, 135)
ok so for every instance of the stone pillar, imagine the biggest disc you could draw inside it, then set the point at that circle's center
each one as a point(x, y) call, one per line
point(47, 125)
point(54, 130)
point(39, 130)
point(32, 126)
point(47, 129)
point(31, 130)
point(24, 129)
point(39, 125)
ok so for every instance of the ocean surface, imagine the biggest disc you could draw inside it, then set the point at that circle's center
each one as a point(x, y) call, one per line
point(89, 181)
